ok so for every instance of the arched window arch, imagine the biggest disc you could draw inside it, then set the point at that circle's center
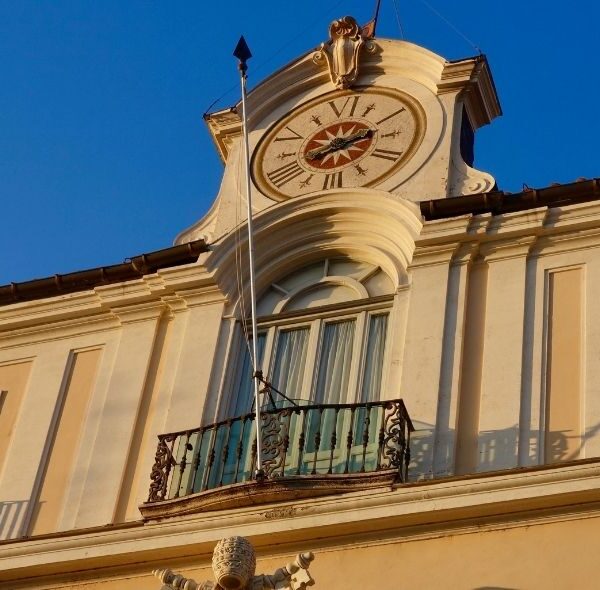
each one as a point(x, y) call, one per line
point(322, 333)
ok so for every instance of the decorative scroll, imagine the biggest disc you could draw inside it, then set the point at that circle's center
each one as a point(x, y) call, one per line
point(163, 461)
point(275, 441)
point(341, 53)
point(394, 438)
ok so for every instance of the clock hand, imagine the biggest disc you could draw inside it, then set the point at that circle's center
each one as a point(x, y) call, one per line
point(360, 134)
point(338, 143)
point(316, 153)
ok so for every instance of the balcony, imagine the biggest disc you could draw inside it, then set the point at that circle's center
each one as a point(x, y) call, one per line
point(307, 451)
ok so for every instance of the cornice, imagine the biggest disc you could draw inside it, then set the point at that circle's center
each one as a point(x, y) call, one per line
point(53, 316)
point(557, 229)
point(131, 314)
point(530, 221)
point(474, 78)
point(506, 249)
point(58, 330)
point(432, 255)
point(208, 295)
point(561, 243)
point(497, 202)
point(434, 231)
point(225, 127)
point(85, 280)
point(450, 506)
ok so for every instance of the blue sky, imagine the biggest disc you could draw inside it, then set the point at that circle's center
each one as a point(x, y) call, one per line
point(103, 151)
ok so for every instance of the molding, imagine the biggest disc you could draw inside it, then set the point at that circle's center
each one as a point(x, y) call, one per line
point(44, 311)
point(143, 312)
point(54, 315)
point(407, 512)
point(530, 221)
point(561, 243)
point(432, 255)
point(447, 228)
point(372, 224)
point(225, 127)
point(330, 310)
point(59, 330)
point(564, 229)
point(465, 254)
point(507, 249)
point(474, 77)
point(251, 493)
point(359, 290)
point(208, 295)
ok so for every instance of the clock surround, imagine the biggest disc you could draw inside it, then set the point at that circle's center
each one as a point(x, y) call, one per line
point(350, 138)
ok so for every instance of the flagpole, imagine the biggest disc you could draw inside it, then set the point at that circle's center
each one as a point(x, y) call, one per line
point(242, 52)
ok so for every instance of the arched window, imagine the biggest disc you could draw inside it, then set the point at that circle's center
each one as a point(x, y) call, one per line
point(322, 335)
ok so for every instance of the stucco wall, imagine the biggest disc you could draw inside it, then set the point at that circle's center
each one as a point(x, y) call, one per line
point(500, 558)
point(469, 351)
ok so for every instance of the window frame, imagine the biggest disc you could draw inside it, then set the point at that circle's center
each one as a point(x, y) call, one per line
point(315, 320)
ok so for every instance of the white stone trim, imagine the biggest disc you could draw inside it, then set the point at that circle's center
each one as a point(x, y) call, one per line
point(417, 511)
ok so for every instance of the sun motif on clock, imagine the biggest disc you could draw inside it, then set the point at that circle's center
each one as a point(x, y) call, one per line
point(336, 145)
point(348, 138)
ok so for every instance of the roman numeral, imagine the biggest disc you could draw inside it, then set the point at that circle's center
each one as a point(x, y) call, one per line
point(387, 154)
point(352, 100)
point(284, 174)
point(293, 135)
point(392, 115)
point(333, 180)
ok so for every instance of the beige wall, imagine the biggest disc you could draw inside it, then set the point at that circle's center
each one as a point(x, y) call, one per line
point(470, 378)
point(13, 383)
point(469, 353)
point(558, 555)
point(127, 508)
point(565, 365)
point(64, 440)
point(107, 370)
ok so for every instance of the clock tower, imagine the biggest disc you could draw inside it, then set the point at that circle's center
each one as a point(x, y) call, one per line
point(357, 114)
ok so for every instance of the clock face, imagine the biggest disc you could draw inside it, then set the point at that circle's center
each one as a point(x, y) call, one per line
point(349, 138)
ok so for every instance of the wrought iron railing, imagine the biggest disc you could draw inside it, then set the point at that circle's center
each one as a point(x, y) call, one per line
point(297, 441)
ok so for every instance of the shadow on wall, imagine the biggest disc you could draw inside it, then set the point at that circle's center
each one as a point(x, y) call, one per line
point(12, 513)
point(492, 450)
point(421, 452)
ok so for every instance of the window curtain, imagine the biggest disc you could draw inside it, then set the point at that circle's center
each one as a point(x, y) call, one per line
point(290, 360)
point(371, 387)
point(244, 387)
point(335, 361)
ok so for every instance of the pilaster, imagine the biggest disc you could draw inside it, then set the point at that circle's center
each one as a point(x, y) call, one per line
point(424, 346)
point(112, 435)
point(32, 438)
point(444, 446)
point(503, 353)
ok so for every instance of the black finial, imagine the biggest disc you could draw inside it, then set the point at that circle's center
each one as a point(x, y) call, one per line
point(242, 52)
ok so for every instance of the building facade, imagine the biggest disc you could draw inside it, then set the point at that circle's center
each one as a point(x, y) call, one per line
point(388, 268)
